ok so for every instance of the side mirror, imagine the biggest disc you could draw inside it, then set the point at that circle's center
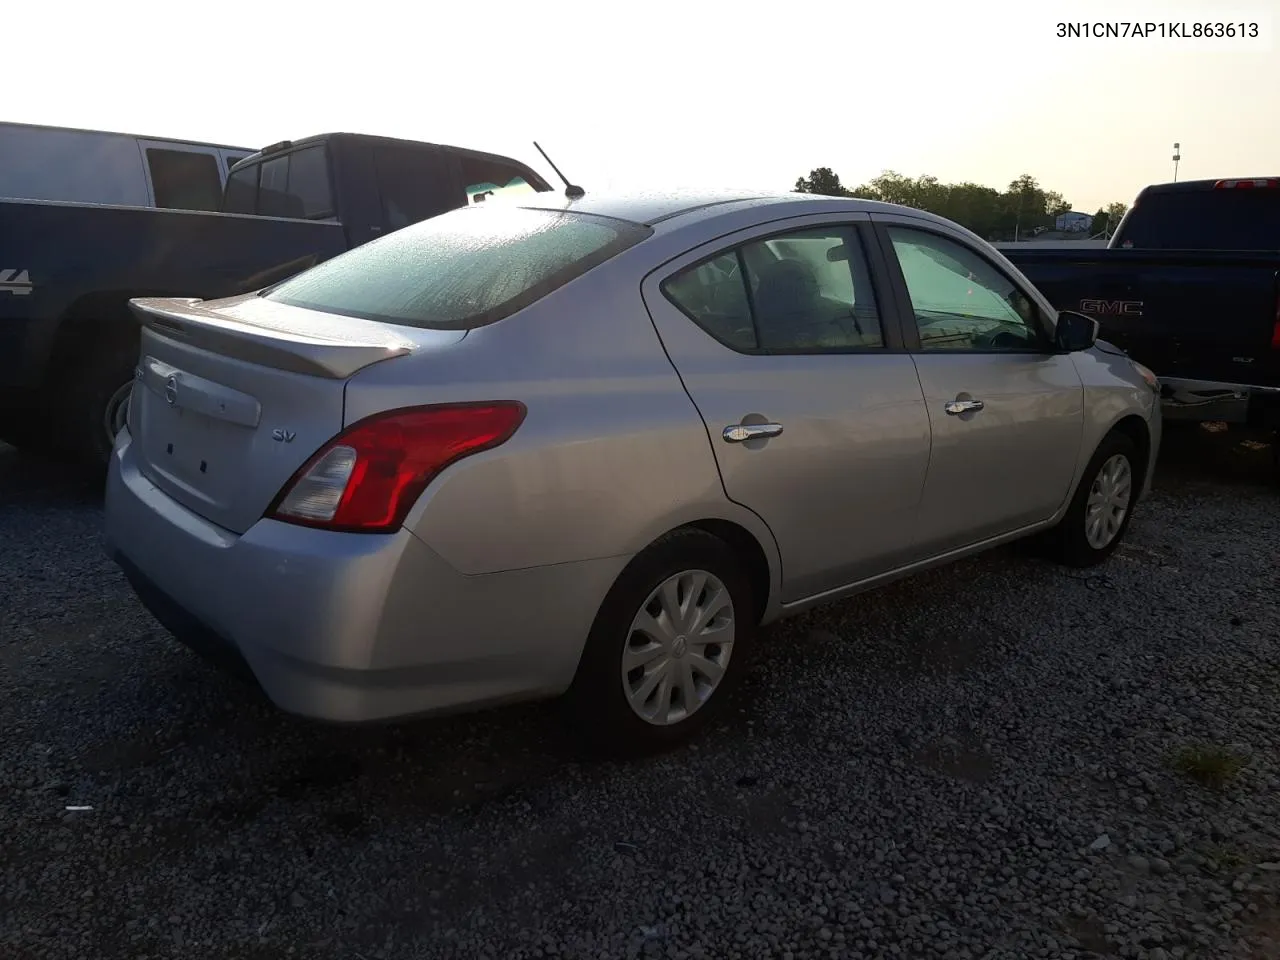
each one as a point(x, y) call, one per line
point(1075, 331)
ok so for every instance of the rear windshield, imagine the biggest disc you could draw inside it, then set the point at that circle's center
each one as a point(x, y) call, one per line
point(462, 269)
point(1226, 219)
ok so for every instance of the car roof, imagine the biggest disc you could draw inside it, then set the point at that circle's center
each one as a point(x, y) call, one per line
point(680, 207)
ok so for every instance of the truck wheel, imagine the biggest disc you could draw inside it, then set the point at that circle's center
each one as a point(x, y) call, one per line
point(96, 405)
point(666, 647)
point(26, 427)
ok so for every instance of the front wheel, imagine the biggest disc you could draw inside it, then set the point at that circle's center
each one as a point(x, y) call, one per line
point(1099, 515)
point(666, 647)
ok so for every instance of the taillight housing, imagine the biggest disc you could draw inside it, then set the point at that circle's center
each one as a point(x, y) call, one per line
point(1248, 183)
point(368, 477)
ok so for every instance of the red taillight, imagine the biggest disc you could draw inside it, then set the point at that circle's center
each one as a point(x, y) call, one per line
point(366, 478)
point(1248, 183)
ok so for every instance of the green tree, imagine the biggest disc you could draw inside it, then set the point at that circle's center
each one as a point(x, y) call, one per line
point(821, 181)
point(1108, 218)
point(1021, 209)
point(1117, 210)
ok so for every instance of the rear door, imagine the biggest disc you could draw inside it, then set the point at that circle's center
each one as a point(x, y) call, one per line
point(813, 410)
point(1006, 410)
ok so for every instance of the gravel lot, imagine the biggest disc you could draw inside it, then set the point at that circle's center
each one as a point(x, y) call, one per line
point(979, 762)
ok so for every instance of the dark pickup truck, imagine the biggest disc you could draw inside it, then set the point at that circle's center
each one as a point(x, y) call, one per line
point(68, 342)
point(1189, 286)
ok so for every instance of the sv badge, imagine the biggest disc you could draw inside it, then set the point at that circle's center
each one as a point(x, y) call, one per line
point(282, 436)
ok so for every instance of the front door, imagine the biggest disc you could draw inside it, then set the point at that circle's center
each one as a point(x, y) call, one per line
point(1006, 409)
point(813, 411)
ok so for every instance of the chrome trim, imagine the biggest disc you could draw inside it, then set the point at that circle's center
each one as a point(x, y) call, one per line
point(1187, 399)
point(740, 432)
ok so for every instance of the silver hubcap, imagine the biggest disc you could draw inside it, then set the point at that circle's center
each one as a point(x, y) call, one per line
point(117, 412)
point(678, 647)
point(1108, 501)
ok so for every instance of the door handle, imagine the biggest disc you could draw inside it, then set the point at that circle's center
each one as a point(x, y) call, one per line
point(740, 432)
point(957, 407)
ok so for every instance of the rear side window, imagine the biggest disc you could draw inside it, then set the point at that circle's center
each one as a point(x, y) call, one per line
point(183, 180)
point(414, 184)
point(483, 178)
point(1223, 219)
point(460, 270)
point(293, 185)
point(803, 292)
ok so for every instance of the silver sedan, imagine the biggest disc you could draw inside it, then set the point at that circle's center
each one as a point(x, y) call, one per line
point(587, 447)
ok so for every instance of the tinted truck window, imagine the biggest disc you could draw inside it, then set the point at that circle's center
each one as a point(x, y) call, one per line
point(293, 185)
point(460, 270)
point(1222, 219)
point(414, 184)
point(484, 178)
point(183, 180)
point(242, 191)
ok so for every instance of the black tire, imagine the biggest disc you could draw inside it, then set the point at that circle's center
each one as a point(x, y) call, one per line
point(1068, 542)
point(597, 707)
point(94, 394)
point(26, 427)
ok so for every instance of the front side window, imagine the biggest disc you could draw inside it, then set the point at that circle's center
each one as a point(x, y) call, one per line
point(184, 180)
point(242, 190)
point(960, 300)
point(460, 270)
point(796, 293)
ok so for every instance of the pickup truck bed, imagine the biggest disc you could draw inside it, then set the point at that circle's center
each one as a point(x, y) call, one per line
point(139, 251)
point(68, 341)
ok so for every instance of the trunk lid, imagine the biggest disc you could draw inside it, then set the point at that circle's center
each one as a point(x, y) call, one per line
point(230, 397)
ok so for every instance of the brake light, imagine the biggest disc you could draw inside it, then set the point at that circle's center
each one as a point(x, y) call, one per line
point(1247, 184)
point(1275, 330)
point(366, 479)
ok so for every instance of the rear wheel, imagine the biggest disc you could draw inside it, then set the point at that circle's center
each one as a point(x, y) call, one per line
point(666, 647)
point(1100, 511)
point(95, 405)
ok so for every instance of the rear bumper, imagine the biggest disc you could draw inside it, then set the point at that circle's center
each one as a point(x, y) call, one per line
point(349, 628)
point(1187, 399)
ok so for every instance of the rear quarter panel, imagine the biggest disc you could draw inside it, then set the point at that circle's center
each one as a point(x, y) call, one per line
point(611, 455)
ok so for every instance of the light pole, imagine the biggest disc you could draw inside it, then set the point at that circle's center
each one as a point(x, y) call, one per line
point(1177, 155)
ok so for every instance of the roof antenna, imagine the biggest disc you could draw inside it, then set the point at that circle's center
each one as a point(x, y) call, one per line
point(570, 190)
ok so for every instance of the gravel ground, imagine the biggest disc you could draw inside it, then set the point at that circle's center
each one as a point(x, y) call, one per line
point(979, 762)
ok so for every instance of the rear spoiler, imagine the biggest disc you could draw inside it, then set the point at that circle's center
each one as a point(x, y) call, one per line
point(279, 336)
